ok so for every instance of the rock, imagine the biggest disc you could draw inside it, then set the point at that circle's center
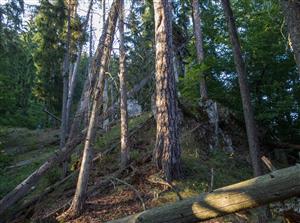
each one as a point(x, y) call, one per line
point(134, 108)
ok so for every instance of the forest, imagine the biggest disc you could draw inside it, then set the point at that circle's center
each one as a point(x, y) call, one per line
point(150, 111)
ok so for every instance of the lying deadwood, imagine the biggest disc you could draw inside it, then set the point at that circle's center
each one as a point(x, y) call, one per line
point(93, 190)
point(133, 188)
point(276, 186)
point(156, 179)
point(30, 204)
point(136, 88)
point(113, 146)
point(52, 115)
point(20, 191)
point(283, 146)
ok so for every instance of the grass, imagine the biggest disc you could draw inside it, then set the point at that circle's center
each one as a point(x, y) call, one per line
point(19, 145)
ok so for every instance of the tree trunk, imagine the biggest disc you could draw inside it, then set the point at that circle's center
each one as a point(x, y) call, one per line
point(65, 75)
point(291, 11)
point(167, 149)
point(73, 77)
point(244, 89)
point(78, 201)
point(123, 92)
point(276, 186)
point(199, 46)
point(74, 139)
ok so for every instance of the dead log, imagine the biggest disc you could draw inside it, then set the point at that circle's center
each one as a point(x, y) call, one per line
point(21, 190)
point(276, 186)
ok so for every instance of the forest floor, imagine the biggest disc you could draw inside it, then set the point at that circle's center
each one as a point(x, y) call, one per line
point(22, 151)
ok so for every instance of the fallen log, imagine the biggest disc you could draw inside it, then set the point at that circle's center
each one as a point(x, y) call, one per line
point(276, 186)
point(19, 191)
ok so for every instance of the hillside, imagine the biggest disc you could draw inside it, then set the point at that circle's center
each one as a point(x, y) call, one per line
point(114, 193)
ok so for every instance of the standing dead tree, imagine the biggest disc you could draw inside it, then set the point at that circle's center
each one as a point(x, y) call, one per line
point(244, 89)
point(291, 11)
point(123, 92)
point(74, 139)
point(80, 196)
point(199, 45)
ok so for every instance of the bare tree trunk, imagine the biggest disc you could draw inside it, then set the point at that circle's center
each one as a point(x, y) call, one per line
point(244, 89)
point(74, 139)
point(74, 73)
point(78, 201)
point(291, 11)
point(66, 66)
point(167, 149)
point(123, 92)
point(199, 46)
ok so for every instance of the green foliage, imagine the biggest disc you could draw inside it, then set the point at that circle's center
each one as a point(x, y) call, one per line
point(272, 75)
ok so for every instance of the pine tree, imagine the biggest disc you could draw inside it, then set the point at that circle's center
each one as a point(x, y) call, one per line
point(167, 148)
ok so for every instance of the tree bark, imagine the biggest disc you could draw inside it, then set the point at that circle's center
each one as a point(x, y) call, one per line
point(167, 149)
point(123, 92)
point(74, 139)
point(73, 77)
point(199, 46)
point(291, 11)
point(65, 75)
point(276, 186)
point(78, 201)
point(244, 89)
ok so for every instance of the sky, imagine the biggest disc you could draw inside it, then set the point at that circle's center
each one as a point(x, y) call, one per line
point(82, 11)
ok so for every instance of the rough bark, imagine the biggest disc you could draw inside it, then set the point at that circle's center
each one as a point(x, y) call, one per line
point(65, 75)
point(291, 11)
point(276, 186)
point(244, 89)
point(199, 45)
point(123, 91)
point(78, 201)
point(167, 149)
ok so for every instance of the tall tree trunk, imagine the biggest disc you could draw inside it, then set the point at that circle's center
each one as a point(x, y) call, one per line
point(291, 11)
point(167, 149)
point(74, 73)
point(75, 137)
point(123, 92)
point(244, 89)
point(199, 46)
point(78, 201)
point(66, 67)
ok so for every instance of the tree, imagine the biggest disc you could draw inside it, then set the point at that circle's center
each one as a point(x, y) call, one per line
point(244, 89)
point(199, 46)
point(291, 11)
point(123, 91)
point(167, 148)
point(78, 201)
point(65, 76)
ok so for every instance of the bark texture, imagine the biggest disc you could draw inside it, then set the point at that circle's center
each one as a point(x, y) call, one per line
point(291, 11)
point(199, 45)
point(277, 186)
point(78, 201)
point(244, 89)
point(167, 149)
point(65, 75)
point(73, 76)
point(123, 92)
